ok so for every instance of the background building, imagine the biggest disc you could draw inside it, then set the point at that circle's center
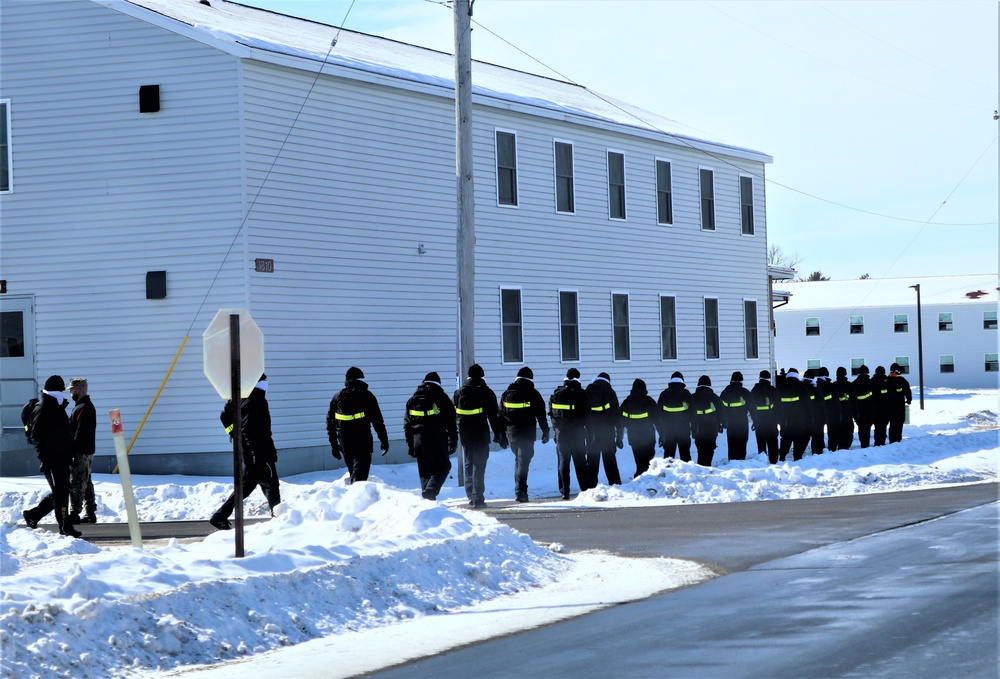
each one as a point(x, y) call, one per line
point(874, 322)
point(168, 158)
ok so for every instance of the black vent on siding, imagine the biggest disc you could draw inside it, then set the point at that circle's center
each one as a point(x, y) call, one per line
point(149, 98)
point(156, 285)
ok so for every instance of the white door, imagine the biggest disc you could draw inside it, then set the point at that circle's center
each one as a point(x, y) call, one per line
point(17, 367)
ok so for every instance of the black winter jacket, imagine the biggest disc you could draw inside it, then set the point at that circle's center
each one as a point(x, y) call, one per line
point(521, 406)
point(51, 434)
point(429, 423)
point(605, 418)
point(641, 417)
point(83, 427)
point(353, 430)
point(475, 395)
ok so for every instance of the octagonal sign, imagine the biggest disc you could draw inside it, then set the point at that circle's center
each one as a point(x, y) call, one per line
point(215, 349)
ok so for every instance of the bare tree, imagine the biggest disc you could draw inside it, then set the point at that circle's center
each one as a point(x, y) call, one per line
point(777, 257)
point(816, 276)
point(865, 277)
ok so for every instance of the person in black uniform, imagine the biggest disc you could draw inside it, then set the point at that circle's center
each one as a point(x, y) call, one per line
point(51, 437)
point(706, 420)
point(83, 429)
point(477, 413)
point(605, 431)
point(831, 408)
point(521, 407)
point(880, 412)
point(898, 398)
point(864, 393)
point(259, 456)
point(817, 413)
point(570, 413)
point(642, 420)
point(736, 412)
point(844, 397)
point(763, 411)
point(675, 402)
point(431, 433)
point(794, 416)
point(353, 413)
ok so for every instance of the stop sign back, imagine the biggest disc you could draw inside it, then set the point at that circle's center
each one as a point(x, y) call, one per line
point(215, 350)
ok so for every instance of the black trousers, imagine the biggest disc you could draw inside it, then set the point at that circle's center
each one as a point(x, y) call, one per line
point(794, 441)
point(643, 456)
point(522, 445)
point(864, 430)
point(571, 445)
point(736, 440)
point(263, 474)
point(359, 464)
point(603, 448)
point(767, 441)
point(57, 499)
point(706, 450)
point(881, 425)
point(433, 468)
point(677, 442)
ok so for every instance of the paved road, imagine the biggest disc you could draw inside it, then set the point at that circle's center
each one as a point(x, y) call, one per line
point(917, 601)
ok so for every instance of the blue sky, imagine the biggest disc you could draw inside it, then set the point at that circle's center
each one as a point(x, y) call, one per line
point(879, 115)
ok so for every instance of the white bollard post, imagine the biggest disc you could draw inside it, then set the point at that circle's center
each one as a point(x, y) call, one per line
point(118, 434)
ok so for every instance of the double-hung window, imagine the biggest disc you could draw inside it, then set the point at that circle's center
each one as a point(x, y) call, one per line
point(616, 185)
point(856, 364)
point(707, 188)
point(992, 363)
point(510, 320)
point(945, 323)
point(664, 193)
point(746, 205)
point(620, 326)
point(904, 364)
point(6, 161)
point(668, 328)
point(750, 327)
point(989, 320)
point(812, 327)
point(857, 325)
point(900, 323)
point(506, 168)
point(947, 364)
point(569, 325)
point(564, 177)
point(711, 327)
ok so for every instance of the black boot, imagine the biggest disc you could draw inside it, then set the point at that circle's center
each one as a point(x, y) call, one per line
point(65, 527)
point(91, 517)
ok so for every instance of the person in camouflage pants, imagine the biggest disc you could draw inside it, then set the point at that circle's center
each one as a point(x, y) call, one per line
point(83, 428)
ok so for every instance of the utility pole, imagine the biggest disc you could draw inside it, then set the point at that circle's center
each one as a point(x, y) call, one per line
point(920, 345)
point(465, 250)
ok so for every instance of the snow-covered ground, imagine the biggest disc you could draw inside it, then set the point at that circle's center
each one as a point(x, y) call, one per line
point(374, 568)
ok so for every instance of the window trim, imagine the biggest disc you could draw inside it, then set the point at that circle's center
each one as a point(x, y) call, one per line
point(756, 330)
point(753, 207)
point(10, 147)
point(987, 321)
point(572, 176)
point(670, 194)
point(701, 200)
point(628, 326)
point(904, 363)
point(496, 167)
point(579, 348)
point(855, 371)
point(624, 185)
point(950, 322)
point(660, 299)
point(718, 326)
point(995, 362)
point(520, 304)
point(813, 364)
point(817, 326)
point(896, 324)
point(851, 325)
point(941, 364)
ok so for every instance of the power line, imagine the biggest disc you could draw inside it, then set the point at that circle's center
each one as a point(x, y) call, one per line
point(716, 157)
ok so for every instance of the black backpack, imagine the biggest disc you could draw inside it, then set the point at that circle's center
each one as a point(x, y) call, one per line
point(351, 402)
point(561, 405)
point(517, 416)
point(422, 408)
point(28, 416)
point(470, 399)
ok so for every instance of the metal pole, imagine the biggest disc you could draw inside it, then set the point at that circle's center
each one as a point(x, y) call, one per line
point(920, 346)
point(465, 251)
point(235, 393)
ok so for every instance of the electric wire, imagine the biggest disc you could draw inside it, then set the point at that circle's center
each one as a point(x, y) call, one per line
point(721, 159)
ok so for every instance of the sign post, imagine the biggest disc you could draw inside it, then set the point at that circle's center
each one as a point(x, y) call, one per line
point(233, 353)
point(118, 434)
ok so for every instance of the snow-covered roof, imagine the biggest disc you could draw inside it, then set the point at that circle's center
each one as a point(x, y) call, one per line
point(269, 34)
point(886, 292)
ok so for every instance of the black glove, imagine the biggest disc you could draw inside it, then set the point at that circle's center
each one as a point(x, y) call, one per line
point(504, 443)
point(384, 448)
point(545, 436)
point(409, 451)
point(336, 453)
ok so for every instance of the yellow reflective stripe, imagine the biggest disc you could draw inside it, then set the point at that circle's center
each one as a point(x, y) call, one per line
point(735, 404)
point(676, 410)
point(606, 406)
point(828, 397)
point(507, 404)
point(862, 397)
point(884, 391)
point(845, 397)
point(425, 413)
point(635, 416)
point(463, 411)
point(767, 407)
point(229, 429)
point(25, 427)
point(348, 418)
point(786, 399)
point(711, 409)
point(562, 406)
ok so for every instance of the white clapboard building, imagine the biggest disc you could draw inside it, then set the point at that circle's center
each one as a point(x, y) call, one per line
point(163, 159)
point(874, 322)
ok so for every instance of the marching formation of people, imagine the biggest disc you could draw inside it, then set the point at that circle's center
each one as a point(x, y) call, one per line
point(796, 413)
